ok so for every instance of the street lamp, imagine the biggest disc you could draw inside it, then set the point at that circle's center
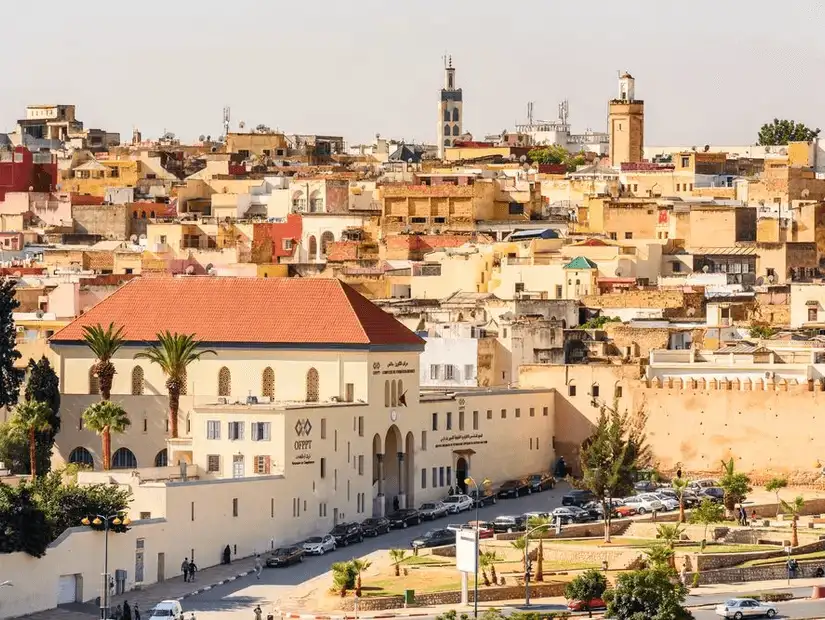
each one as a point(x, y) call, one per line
point(469, 480)
point(6, 583)
point(527, 560)
point(106, 522)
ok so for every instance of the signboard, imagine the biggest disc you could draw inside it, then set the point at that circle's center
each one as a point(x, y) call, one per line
point(303, 444)
point(466, 548)
point(400, 367)
point(460, 439)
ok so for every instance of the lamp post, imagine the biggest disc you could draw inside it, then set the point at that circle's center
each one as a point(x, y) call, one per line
point(106, 522)
point(469, 480)
point(527, 560)
point(6, 583)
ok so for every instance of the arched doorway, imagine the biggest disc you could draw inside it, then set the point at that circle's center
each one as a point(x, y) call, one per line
point(393, 464)
point(461, 471)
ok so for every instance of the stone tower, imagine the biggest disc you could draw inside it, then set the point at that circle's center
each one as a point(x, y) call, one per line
point(626, 123)
point(450, 111)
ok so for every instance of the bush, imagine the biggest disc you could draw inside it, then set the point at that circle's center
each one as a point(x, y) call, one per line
point(770, 597)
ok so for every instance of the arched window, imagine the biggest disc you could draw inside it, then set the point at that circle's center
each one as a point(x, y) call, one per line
point(152, 214)
point(143, 215)
point(162, 458)
point(123, 458)
point(400, 390)
point(446, 130)
point(326, 239)
point(386, 393)
point(455, 130)
point(94, 382)
point(268, 383)
point(446, 116)
point(316, 202)
point(312, 386)
point(134, 215)
point(81, 456)
point(455, 115)
point(313, 246)
point(137, 381)
point(393, 393)
point(447, 142)
point(224, 382)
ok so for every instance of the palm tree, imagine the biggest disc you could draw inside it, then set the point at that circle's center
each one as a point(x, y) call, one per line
point(775, 484)
point(173, 353)
point(659, 556)
point(680, 485)
point(540, 522)
point(30, 418)
point(484, 562)
point(359, 566)
point(669, 534)
point(794, 508)
point(104, 343)
point(397, 556)
point(493, 557)
point(105, 418)
point(521, 544)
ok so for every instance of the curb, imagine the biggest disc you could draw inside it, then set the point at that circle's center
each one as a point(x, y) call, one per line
point(214, 585)
point(294, 616)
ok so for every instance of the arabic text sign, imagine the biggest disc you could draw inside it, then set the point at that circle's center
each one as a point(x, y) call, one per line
point(466, 543)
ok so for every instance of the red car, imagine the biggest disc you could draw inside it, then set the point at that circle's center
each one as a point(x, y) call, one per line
point(595, 603)
point(485, 530)
point(624, 511)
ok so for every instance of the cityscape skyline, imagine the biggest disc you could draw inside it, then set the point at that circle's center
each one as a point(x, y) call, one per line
point(366, 88)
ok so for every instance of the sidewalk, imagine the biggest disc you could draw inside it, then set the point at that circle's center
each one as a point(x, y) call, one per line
point(174, 588)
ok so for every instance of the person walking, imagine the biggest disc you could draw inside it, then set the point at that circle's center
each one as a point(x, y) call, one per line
point(258, 613)
point(136, 611)
point(227, 552)
point(127, 611)
point(192, 570)
point(118, 613)
point(184, 568)
point(258, 568)
point(395, 503)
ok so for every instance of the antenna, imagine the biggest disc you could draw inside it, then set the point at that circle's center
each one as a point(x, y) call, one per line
point(530, 114)
point(564, 109)
point(226, 112)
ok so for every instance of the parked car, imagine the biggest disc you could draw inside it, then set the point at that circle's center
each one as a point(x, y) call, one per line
point(595, 510)
point(434, 538)
point(347, 533)
point(688, 497)
point(488, 496)
point(514, 488)
point(571, 514)
point(714, 494)
point(536, 514)
point(319, 545)
point(541, 482)
point(645, 486)
point(594, 603)
point(375, 526)
point(643, 503)
point(622, 509)
point(702, 483)
point(433, 510)
point(485, 528)
point(404, 518)
point(284, 556)
point(167, 610)
point(509, 523)
point(745, 608)
point(578, 497)
point(668, 502)
point(458, 503)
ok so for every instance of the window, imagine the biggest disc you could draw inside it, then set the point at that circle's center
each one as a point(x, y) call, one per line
point(286, 244)
point(475, 420)
point(770, 272)
point(545, 411)
point(449, 372)
point(518, 412)
point(360, 426)
point(124, 458)
point(261, 465)
point(360, 464)
point(323, 467)
point(393, 394)
point(519, 287)
point(469, 372)
point(268, 383)
point(191, 511)
point(531, 443)
point(594, 390)
point(455, 113)
point(628, 235)
point(224, 382)
point(323, 428)
point(213, 463)
point(434, 372)
point(532, 412)
point(441, 476)
point(618, 391)
point(94, 382)
point(423, 440)
point(677, 266)
point(235, 430)
point(489, 414)
point(449, 425)
point(515, 208)
point(213, 429)
point(260, 431)
point(137, 381)
point(234, 506)
point(81, 456)
point(312, 386)
point(503, 414)
point(435, 421)
point(461, 420)
point(812, 314)
point(685, 161)
point(145, 425)
point(349, 393)
point(571, 390)
point(424, 478)
point(435, 477)
point(449, 475)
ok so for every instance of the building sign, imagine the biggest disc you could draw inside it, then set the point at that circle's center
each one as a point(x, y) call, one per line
point(303, 445)
point(393, 368)
point(463, 439)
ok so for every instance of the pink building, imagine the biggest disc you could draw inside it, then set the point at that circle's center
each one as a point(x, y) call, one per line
point(46, 209)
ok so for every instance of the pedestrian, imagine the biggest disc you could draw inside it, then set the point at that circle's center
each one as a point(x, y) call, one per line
point(226, 554)
point(395, 503)
point(127, 611)
point(184, 568)
point(258, 568)
point(743, 515)
point(753, 516)
point(118, 613)
point(258, 613)
point(136, 611)
point(450, 491)
point(192, 569)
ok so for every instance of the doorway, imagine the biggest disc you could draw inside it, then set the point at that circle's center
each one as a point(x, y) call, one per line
point(161, 567)
point(461, 473)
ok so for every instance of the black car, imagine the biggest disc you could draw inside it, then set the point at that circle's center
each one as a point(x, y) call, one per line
point(509, 524)
point(514, 488)
point(645, 486)
point(715, 494)
point(404, 518)
point(540, 482)
point(571, 514)
point(578, 497)
point(284, 556)
point(346, 533)
point(689, 498)
point(434, 538)
point(487, 497)
point(375, 526)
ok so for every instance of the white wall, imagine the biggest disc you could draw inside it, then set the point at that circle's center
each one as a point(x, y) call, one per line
point(460, 353)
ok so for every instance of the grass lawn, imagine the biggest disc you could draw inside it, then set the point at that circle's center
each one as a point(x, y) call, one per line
point(783, 558)
point(618, 541)
point(419, 581)
point(424, 560)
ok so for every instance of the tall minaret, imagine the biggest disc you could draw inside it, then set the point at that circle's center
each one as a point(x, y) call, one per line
point(450, 111)
point(626, 123)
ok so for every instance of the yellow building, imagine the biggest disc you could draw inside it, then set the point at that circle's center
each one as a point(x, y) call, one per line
point(94, 177)
point(626, 123)
point(258, 144)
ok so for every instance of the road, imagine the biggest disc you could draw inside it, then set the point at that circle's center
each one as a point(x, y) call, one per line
point(791, 609)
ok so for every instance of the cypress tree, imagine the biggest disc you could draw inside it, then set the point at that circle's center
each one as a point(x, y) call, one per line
point(10, 377)
point(44, 386)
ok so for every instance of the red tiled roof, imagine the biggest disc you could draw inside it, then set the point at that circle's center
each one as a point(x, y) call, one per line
point(244, 310)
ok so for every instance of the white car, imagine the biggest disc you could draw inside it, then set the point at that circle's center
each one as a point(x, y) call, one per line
point(319, 545)
point(668, 502)
point(458, 503)
point(167, 610)
point(643, 503)
point(703, 483)
point(745, 608)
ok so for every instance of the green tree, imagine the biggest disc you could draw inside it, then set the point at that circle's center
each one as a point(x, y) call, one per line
point(649, 594)
point(775, 485)
point(612, 455)
point(520, 544)
point(397, 556)
point(736, 485)
point(105, 418)
point(484, 562)
point(22, 522)
point(359, 566)
point(490, 558)
point(680, 486)
point(707, 513)
point(104, 343)
point(11, 377)
point(669, 534)
point(763, 331)
point(544, 523)
point(343, 577)
point(783, 131)
point(173, 353)
point(599, 322)
point(43, 385)
point(660, 557)
point(29, 419)
point(556, 154)
point(591, 584)
point(14, 449)
point(794, 508)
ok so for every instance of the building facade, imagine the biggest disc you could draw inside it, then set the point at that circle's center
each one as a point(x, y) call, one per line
point(626, 123)
point(450, 111)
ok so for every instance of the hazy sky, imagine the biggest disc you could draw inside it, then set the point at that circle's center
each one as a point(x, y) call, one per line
point(709, 71)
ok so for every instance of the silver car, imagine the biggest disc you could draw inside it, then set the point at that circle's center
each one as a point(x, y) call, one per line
point(434, 510)
point(319, 545)
point(739, 608)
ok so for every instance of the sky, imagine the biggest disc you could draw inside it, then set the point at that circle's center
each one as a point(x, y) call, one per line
point(709, 71)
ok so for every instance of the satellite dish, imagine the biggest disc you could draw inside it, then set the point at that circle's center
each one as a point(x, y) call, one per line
point(209, 267)
point(39, 314)
point(771, 278)
point(705, 269)
point(212, 272)
point(190, 269)
point(133, 238)
point(241, 125)
point(806, 192)
point(760, 281)
point(618, 273)
point(707, 148)
point(690, 311)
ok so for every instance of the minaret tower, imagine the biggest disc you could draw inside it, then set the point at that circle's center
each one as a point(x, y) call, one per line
point(626, 123)
point(450, 111)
